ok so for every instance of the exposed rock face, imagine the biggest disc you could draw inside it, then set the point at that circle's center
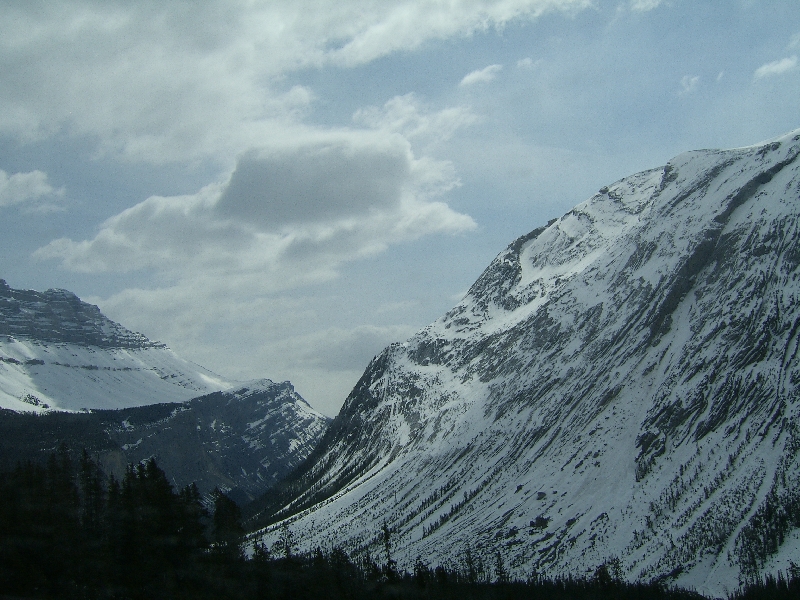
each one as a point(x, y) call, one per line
point(59, 316)
point(620, 384)
point(242, 440)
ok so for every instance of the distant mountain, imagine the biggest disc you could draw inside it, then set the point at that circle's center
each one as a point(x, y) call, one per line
point(57, 352)
point(619, 386)
point(241, 441)
point(69, 375)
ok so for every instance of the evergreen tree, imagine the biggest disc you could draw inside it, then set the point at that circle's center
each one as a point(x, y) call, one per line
point(228, 529)
point(390, 570)
point(285, 544)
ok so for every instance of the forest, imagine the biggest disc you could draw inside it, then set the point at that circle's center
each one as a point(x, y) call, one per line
point(69, 531)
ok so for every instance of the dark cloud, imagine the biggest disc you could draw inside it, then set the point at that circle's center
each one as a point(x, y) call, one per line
point(314, 184)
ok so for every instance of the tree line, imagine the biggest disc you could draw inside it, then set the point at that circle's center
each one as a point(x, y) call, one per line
point(69, 531)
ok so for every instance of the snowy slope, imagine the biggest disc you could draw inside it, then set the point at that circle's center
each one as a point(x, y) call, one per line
point(57, 352)
point(620, 384)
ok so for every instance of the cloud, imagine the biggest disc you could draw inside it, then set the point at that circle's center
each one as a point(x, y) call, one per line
point(777, 67)
point(689, 84)
point(484, 75)
point(407, 116)
point(288, 215)
point(240, 263)
point(339, 349)
point(333, 357)
point(180, 82)
point(644, 5)
point(378, 29)
point(281, 336)
point(528, 63)
point(25, 187)
point(314, 183)
point(226, 87)
point(395, 307)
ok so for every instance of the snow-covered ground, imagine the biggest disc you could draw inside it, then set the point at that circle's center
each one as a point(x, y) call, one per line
point(37, 376)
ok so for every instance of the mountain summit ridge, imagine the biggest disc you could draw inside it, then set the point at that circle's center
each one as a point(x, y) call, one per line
point(620, 384)
point(58, 315)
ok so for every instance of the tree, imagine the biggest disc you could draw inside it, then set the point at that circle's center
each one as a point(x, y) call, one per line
point(422, 572)
point(228, 529)
point(470, 566)
point(92, 493)
point(286, 543)
point(192, 514)
point(500, 571)
point(391, 565)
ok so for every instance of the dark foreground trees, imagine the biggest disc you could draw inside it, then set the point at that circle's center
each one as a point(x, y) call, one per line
point(67, 531)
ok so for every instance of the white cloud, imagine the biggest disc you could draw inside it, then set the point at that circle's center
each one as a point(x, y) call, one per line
point(281, 336)
point(186, 82)
point(484, 75)
point(644, 5)
point(689, 84)
point(339, 349)
point(379, 28)
point(777, 67)
point(334, 357)
point(528, 63)
point(406, 115)
point(396, 307)
point(25, 187)
point(238, 265)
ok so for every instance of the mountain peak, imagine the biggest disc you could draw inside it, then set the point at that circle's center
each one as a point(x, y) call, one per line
point(58, 352)
point(59, 316)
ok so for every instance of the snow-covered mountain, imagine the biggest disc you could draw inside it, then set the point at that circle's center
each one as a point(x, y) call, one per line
point(619, 385)
point(59, 355)
point(57, 352)
point(242, 440)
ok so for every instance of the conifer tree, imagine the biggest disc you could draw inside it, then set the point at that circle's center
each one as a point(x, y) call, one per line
point(228, 529)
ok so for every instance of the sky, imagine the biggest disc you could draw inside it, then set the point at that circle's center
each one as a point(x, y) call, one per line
point(281, 189)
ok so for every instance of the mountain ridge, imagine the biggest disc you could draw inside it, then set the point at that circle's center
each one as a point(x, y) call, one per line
point(620, 384)
point(58, 315)
point(241, 440)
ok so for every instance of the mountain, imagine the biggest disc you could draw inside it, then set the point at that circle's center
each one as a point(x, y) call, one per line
point(242, 440)
point(69, 375)
point(57, 352)
point(618, 387)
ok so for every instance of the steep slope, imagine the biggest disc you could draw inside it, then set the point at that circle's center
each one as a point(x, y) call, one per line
point(620, 384)
point(57, 352)
point(241, 441)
